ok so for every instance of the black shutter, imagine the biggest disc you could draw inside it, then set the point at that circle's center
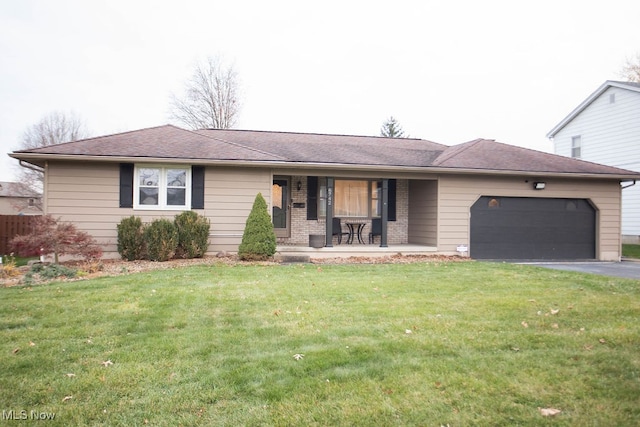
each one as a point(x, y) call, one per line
point(392, 201)
point(312, 197)
point(126, 185)
point(197, 187)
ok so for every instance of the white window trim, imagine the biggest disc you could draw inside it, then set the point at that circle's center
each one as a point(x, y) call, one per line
point(162, 188)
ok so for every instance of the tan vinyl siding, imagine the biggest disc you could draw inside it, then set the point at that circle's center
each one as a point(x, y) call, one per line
point(458, 193)
point(88, 196)
point(229, 197)
point(423, 212)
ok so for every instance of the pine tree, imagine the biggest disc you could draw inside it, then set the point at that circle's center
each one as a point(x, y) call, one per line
point(392, 129)
point(259, 239)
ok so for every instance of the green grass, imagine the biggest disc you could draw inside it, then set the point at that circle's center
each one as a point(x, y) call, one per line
point(631, 251)
point(215, 345)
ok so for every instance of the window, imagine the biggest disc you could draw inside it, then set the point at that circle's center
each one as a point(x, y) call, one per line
point(576, 146)
point(162, 187)
point(353, 198)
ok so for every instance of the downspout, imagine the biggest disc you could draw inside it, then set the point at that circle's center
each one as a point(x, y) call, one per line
point(41, 170)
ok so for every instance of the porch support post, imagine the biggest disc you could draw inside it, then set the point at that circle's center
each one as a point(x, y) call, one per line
point(385, 212)
point(329, 210)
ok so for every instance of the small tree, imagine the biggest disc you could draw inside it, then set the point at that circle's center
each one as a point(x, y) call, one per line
point(631, 69)
point(259, 239)
point(48, 236)
point(161, 238)
point(193, 235)
point(131, 238)
point(391, 129)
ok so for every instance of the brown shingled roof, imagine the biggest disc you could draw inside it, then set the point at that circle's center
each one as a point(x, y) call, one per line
point(491, 155)
point(259, 147)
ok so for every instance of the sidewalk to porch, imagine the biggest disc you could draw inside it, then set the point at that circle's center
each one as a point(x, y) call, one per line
point(357, 250)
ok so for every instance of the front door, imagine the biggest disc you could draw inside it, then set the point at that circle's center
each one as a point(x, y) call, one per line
point(280, 197)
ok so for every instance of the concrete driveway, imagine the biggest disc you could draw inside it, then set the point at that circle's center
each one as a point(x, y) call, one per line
point(624, 269)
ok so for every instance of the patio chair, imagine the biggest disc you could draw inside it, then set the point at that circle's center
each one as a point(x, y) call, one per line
point(376, 229)
point(337, 229)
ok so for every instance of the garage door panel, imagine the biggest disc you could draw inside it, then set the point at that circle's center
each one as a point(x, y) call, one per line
point(532, 228)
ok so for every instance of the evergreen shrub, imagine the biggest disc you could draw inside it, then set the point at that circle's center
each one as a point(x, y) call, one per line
point(258, 239)
point(161, 239)
point(193, 235)
point(131, 239)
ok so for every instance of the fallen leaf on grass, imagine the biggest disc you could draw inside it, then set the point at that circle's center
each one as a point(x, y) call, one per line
point(107, 363)
point(525, 324)
point(31, 343)
point(555, 311)
point(408, 331)
point(602, 341)
point(67, 398)
point(549, 412)
point(298, 356)
point(555, 326)
point(70, 375)
point(16, 350)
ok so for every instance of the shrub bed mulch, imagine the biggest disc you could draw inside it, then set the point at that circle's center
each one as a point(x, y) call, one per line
point(109, 267)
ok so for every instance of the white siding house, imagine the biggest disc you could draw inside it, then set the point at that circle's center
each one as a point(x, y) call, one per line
point(605, 128)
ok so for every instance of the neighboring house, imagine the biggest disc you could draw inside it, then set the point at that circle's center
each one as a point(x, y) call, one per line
point(18, 199)
point(496, 200)
point(605, 128)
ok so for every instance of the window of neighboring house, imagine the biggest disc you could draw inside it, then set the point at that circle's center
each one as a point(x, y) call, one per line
point(352, 198)
point(576, 146)
point(162, 187)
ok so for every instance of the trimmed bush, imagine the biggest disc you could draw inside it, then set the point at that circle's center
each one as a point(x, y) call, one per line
point(161, 238)
point(258, 239)
point(131, 238)
point(193, 235)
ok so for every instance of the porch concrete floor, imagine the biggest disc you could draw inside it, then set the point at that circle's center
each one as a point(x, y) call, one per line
point(354, 250)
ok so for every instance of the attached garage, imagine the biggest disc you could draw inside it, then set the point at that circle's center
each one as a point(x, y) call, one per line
point(532, 228)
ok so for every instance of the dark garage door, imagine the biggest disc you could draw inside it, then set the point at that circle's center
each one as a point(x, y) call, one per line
point(532, 228)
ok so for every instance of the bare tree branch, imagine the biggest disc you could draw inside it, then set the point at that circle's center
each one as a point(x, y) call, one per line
point(211, 97)
point(631, 69)
point(54, 128)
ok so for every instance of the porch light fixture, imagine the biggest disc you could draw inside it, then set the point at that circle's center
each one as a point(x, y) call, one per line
point(539, 185)
point(299, 185)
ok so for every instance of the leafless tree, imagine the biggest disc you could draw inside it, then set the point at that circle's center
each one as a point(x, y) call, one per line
point(211, 97)
point(54, 128)
point(631, 69)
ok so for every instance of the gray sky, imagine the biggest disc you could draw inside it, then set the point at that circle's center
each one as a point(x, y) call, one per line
point(448, 71)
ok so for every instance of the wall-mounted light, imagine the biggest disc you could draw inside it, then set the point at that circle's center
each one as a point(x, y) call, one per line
point(299, 185)
point(539, 185)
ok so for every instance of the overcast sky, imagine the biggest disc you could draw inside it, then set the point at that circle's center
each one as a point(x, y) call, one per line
point(448, 71)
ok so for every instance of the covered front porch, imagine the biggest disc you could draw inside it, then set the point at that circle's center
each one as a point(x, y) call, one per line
point(354, 213)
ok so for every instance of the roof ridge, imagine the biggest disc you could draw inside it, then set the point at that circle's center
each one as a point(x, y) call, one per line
point(455, 150)
point(100, 137)
point(235, 144)
point(318, 134)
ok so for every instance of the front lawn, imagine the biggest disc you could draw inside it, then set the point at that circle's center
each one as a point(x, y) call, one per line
point(424, 344)
point(631, 251)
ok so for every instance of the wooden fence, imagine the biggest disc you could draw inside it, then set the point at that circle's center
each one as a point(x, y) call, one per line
point(11, 226)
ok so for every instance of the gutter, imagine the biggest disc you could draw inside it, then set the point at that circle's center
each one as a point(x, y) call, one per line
point(318, 165)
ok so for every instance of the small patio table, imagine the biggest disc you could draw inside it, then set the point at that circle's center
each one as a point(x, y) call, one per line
point(355, 229)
